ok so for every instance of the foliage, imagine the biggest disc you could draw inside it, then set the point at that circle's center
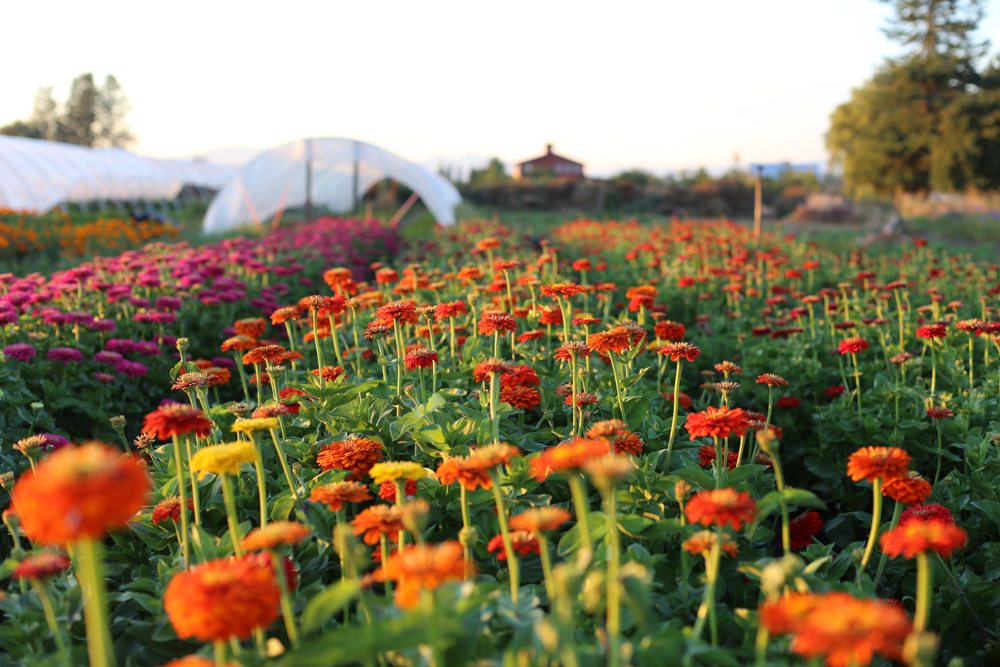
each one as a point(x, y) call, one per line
point(92, 115)
point(927, 120)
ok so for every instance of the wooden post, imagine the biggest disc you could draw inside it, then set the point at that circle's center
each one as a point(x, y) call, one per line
point(309, 174)
point(757, 182)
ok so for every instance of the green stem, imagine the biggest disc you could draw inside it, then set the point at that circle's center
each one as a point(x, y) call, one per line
point(707, 607)
point(466, 536)
point(219, 651)
point(494, 399)
point(779, 479)
point(618, 386)
point(937, 469)
point(924, 577)
point(673, 420)
point(508, 545)
point(182, 494)
point(284, 464)
point(546, 558)
point(195, 499)
point(258, 464)
point(896, 511)
point(319, 349)
point(50, 619)
point(286, 602)
point(613, 584)
point(581, 508)
point(230, 503)
point(87, 553)
point(873, 533)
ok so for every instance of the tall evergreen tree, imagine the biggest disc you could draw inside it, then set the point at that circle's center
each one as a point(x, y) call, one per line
point(923, 121)
point(78, 124)
point(112, 106)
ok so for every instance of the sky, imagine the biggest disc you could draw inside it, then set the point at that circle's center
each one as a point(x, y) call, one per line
point(655, 84)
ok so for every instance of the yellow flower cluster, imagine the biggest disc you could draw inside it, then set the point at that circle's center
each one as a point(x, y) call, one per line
point(390, 471)
point(248, 426)
point(224, 459)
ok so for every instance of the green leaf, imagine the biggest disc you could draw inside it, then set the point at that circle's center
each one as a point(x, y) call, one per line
point(798, 497)
point(282, 506)
point(570, 542)
point(328, 602)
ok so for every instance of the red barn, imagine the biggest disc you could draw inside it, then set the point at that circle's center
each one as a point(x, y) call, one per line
point(549, 164)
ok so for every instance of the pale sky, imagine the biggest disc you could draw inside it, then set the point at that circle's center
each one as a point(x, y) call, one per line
point(661, 85)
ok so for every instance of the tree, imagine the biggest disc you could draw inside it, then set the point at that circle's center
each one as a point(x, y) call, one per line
point(112, 106)
point(926, 120)
point(79, 119)
point(494, 173)
point(938, 27)
point(92, 116)
point(22, 128)
point(45, 114)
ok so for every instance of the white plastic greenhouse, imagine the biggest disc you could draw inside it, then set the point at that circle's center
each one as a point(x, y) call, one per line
point(36, 175)
point(327, 172)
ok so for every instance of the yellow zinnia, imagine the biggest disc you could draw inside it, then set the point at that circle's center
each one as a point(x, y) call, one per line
point(223, 459)
point(254, 425)
point(390, 471)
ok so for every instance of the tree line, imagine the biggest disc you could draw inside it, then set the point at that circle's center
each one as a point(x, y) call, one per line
point(930, 119)
point(92, 115)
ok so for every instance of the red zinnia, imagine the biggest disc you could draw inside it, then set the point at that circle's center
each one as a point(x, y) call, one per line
point(721, 507)
point(803, 528)
point(852, 345)
point(717, 422)
point(177, 419)
point(916, 535)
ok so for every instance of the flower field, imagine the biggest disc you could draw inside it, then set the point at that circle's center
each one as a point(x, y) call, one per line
point(30, 238)
point(622, 444)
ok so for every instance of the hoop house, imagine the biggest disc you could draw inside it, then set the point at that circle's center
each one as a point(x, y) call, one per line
point(326, 172)
point(37, 175)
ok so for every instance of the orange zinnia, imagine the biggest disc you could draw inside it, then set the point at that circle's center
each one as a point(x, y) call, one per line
point(356, 455)
point(717, 422)
point(378, 520)
point(785, 614)
point(491, 456)
point(617, 339)
point(470, 473)
point(177, 419)
point(522, 541)
point(80, 493)
point(221, 599)
point(871, 463)
point(275, 534)
point(847, 631)
point(702, 542)
point(569, 455)
point(916, 535)
point(423, 567)
point(540, 519)
point(721, 507)
point(909, 489)
point(496, 322)
point(404, 312)
point(335, 494)
point(623, 440)
point(680, 350)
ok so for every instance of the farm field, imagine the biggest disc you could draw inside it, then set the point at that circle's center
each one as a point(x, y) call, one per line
point(573, 443)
